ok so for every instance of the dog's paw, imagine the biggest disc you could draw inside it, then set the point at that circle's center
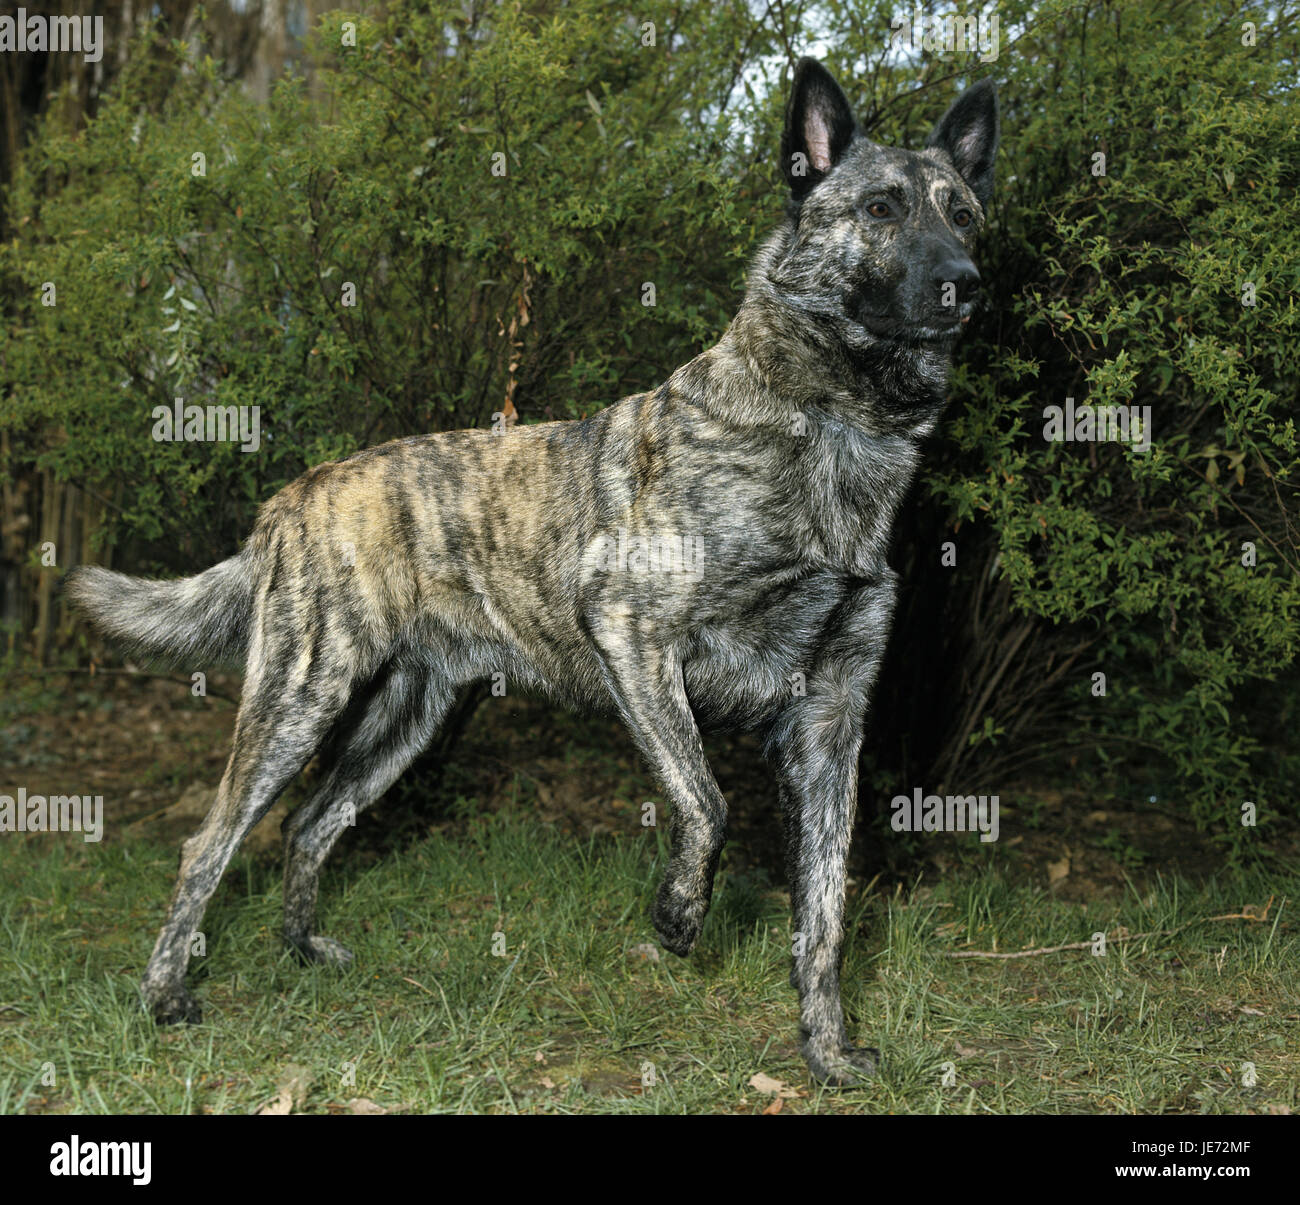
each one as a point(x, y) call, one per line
point(173, 1007)
point(841, 1066)
point(323, 950)
point(678, 921)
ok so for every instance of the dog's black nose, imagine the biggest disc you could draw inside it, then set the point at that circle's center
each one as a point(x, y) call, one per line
point(961, 274)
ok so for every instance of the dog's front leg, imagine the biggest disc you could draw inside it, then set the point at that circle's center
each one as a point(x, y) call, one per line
point(646, 682)
point(814, 747)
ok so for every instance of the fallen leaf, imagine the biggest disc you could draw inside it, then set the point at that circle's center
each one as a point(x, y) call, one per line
point(773, 1087)
point(365, 1108)
point(774, 1108)
point(281, 1106)
point(292, 1091)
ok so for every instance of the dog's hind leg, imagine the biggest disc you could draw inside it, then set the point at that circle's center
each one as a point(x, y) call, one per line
point(376, 740)
point(280, 725)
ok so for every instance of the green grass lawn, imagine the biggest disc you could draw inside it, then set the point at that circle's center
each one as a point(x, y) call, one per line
point(573, 1018)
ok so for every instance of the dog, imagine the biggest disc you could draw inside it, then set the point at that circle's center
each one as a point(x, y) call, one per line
point(709, 554)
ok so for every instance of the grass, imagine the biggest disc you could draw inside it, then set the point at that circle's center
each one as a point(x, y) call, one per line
point(566, 1015)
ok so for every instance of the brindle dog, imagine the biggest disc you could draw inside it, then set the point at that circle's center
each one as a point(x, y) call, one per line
point(711, 553)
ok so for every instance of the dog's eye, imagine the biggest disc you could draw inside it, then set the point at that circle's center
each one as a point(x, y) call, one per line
point(962, 217)
point(878, 209)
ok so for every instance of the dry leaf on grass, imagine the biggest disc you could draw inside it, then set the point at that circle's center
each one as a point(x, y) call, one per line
point(1056, 871)
point(294, 1082)
point(772, 1087)
point(365, 1108)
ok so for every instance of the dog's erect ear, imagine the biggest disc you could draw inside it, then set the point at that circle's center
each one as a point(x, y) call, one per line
point(818, 127)
point(969, 133)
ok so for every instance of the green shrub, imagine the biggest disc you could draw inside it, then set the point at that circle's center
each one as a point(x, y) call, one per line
point(222, 279)
point(628, 164)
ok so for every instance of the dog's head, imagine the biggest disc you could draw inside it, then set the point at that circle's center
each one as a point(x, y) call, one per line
point(881, 239)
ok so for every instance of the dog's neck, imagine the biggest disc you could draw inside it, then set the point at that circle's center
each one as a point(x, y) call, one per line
point(777, 366)
point(844, 426)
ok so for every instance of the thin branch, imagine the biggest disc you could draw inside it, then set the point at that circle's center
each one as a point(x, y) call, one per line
point(95, 672)
point(1249, 912)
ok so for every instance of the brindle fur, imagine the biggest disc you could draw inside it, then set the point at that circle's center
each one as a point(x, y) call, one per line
point(374, 589)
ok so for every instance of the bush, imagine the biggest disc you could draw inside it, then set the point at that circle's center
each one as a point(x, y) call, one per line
point(1172, 572)
point(204, 246)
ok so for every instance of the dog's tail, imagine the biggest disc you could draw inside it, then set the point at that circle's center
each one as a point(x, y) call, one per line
point(192, 621)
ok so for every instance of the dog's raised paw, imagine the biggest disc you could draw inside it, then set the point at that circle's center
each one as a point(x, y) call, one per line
point(323, 950)
point(176, 1007)
point(326, 950)
point(677, 922)
point(843, 1067)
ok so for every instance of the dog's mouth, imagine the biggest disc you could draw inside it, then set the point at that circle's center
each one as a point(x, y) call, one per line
point(917, 332)
point(930, 329)
point(936, 332)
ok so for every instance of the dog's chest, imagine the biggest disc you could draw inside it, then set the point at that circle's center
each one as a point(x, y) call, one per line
point(741, 665)
point(847, 488)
